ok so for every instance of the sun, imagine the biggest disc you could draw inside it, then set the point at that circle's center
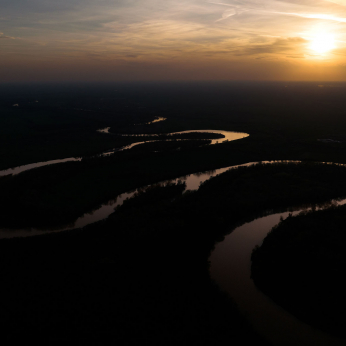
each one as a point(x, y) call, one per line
point(322, 43)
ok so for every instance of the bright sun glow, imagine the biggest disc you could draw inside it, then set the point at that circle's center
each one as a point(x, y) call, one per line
point(322, 43)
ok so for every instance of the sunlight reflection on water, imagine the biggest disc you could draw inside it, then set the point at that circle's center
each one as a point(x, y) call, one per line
point(230, 268)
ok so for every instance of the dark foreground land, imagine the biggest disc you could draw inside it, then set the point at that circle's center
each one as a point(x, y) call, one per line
point(302, 264)
point(141, 276)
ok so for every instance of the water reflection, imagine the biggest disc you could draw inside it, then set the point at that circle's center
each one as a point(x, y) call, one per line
point(192, 182)
point(24, 168)
point(156, 120)
point(105, 130)
point(228, 136)
point(230, 264)
point(230, 268)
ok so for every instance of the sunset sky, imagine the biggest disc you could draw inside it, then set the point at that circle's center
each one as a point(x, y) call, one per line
point(105, 40)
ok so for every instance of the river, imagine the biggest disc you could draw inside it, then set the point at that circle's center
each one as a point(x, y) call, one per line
point(230, 266)
point(228, 136)
point(192, 182)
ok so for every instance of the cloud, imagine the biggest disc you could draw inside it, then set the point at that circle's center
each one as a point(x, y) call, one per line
point(339, 2)
point(314, 16)
point(282, 45)
point(152, 32)
point(228, 13)
point(4, 36)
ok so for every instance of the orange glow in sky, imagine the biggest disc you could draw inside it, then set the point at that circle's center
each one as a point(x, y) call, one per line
point(180, 39)
point(322, 43)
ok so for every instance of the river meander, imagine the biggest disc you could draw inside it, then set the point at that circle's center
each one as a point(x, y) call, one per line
point(192, 182)
point(230, 266)
point(227, 136)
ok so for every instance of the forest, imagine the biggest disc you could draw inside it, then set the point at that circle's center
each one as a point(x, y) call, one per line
point(141, 275)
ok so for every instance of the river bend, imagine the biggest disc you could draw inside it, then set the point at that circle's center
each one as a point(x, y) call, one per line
point(230, 266)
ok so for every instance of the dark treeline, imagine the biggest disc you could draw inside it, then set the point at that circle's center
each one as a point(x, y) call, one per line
point(190, 135)
point(141, 276)
point(302, 266)
point(64, 121)
point(170, 145)
point(58, 194)
point(154, 194)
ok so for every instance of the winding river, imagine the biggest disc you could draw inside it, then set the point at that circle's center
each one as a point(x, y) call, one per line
point(230, 268)
point(227, 136)
point(230, 261)
point(192, 182)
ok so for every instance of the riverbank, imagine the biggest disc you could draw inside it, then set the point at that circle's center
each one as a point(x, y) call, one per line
point(55, 195)
point(64, 190)
point(160, 142)
point(307, 276)
point(141, 276)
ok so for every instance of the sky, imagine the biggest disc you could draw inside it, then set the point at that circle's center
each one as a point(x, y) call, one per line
point(129, 40)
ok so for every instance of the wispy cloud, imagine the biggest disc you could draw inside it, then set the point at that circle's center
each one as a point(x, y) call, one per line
point(280, 45)
point(339, 2)
point(314, 16)
point(228, 13)
point(2, 35)
point(239, 8)
point(155, 31)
